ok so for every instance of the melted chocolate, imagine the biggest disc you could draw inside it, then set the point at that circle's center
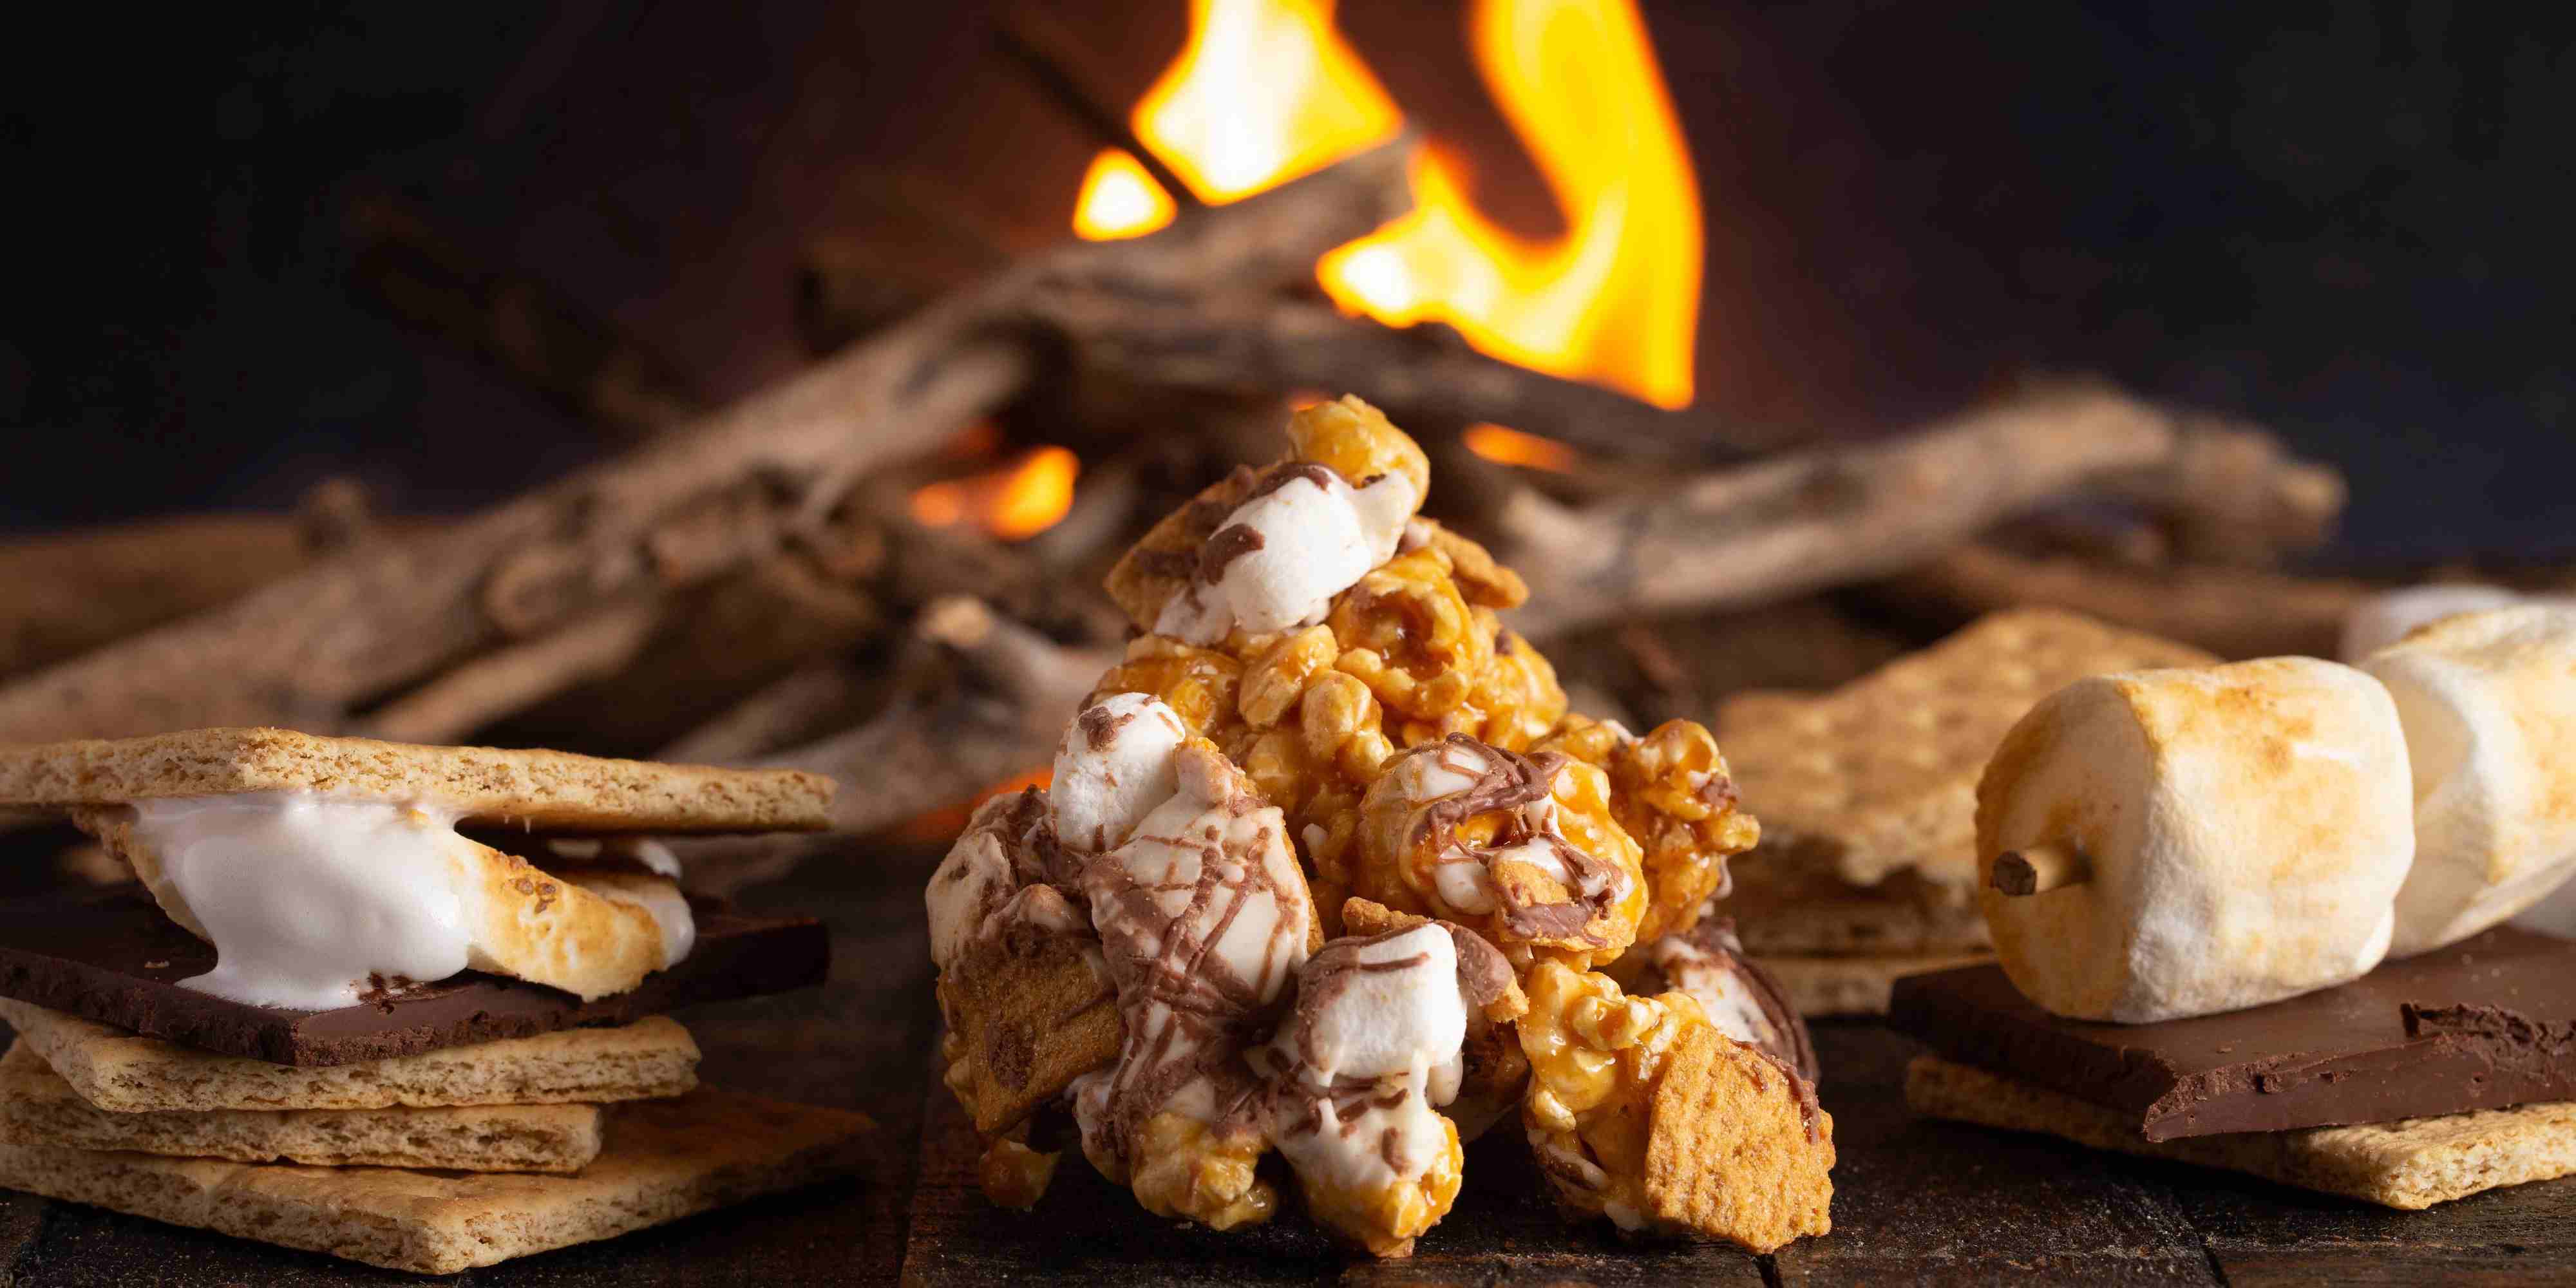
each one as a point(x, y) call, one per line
point(115, 958)
point(2487, 1023)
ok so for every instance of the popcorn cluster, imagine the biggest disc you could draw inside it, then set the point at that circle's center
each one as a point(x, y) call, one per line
point(1327, 869)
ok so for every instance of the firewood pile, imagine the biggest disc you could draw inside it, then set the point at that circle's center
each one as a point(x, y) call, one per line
point(755, 583)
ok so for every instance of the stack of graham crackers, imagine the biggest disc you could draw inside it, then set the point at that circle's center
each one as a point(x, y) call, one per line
point(176, 1058)
point(1867, 867)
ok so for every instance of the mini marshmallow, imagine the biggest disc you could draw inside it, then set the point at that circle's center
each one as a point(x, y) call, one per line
point(1279, 559)
point(1113, 767)
point(1371, 1008)
point(2226, 836)
point(2488, 700)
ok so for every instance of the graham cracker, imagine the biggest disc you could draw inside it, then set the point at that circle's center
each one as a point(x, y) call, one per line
point(1854, 985)
point(665, 1160)
point(1784, 904)
point(38, 1108)
point(2411, 1163)
point(1029, 1013)
point(549, 791)
point(1880, 775)
point(120, 1072)
point(1737, 1147)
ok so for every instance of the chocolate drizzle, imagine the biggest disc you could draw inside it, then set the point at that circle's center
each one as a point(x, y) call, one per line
point(1229, 544)
point(1280, 476)
point(1712, 946)
point(1188, 1010)
point(1522, 789)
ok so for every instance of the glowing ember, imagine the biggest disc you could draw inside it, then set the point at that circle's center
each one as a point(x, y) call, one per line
point(1512, 447)
point(1020, 500)
point(1265, 91)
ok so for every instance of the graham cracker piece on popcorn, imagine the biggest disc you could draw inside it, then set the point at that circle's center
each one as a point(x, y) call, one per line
point(120, 1072)
point(1031, 1013)
point(38, 1108)
point(665, 1160)
point(2409, 1164)
point(1737, 1146)
point(1880, 775)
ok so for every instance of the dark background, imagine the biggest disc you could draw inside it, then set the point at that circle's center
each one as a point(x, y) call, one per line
point(2347, 222)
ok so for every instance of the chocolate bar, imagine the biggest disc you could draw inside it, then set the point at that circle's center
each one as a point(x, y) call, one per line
point(113, 957)
point(2486, 1023)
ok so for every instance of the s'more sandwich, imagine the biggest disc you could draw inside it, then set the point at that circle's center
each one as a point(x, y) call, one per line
point(400, 1004)
point(1866, 870)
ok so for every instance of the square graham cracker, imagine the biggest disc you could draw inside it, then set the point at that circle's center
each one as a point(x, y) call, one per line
point(547, 791)
point(2409, 1164)
point(1880, 775)
point(122, 1073)
point(665, 1160)
point(38, 1108)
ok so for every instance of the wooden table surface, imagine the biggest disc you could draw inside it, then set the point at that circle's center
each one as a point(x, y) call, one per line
point(1915, 1201)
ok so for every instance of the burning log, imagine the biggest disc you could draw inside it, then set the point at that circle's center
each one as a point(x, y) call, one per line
point(682, 508)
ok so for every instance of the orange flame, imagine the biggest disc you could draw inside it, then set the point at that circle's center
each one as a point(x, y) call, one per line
point(1020, 500)
point(1512, 447)
point(1265, 91)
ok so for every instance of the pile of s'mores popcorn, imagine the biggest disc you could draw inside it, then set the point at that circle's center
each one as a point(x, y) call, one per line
point(2252, 916)
point(397, 1004)
point(1329, 883)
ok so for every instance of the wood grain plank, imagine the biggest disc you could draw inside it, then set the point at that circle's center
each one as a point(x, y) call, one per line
point(1504, 1230)
point(2262, 1233)
point(1917, 1201)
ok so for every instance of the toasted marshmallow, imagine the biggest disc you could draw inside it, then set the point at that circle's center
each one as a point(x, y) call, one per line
point(1114, 765)
point(305, 896)
point(2237, 835)
point(1280, 557)
point(311, 900)
point(2488, 701)
point(659, 897)
point(2385, 618)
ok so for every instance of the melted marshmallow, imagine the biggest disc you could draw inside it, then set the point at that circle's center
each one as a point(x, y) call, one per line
point(660, 900)
point(1114, 765)
point(306, 896)
point(1312, 538)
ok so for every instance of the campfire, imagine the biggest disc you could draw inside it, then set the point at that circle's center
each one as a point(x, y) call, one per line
point(886, 566)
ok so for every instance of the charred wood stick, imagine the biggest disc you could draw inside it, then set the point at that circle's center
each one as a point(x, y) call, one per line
point(1418, 374)
point(1047, 54)
point(512, 677)
point(2233, 612)
point(798, 707)
point(1822, 517)
point(677, 510)
point(575, 359)
point(999, 712)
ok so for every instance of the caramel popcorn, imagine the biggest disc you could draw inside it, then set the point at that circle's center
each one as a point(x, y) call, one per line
point(1671, 792)
point(1353, 876)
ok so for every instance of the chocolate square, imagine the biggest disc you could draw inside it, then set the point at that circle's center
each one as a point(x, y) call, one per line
point(2485, 1023)
point(115, 958)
